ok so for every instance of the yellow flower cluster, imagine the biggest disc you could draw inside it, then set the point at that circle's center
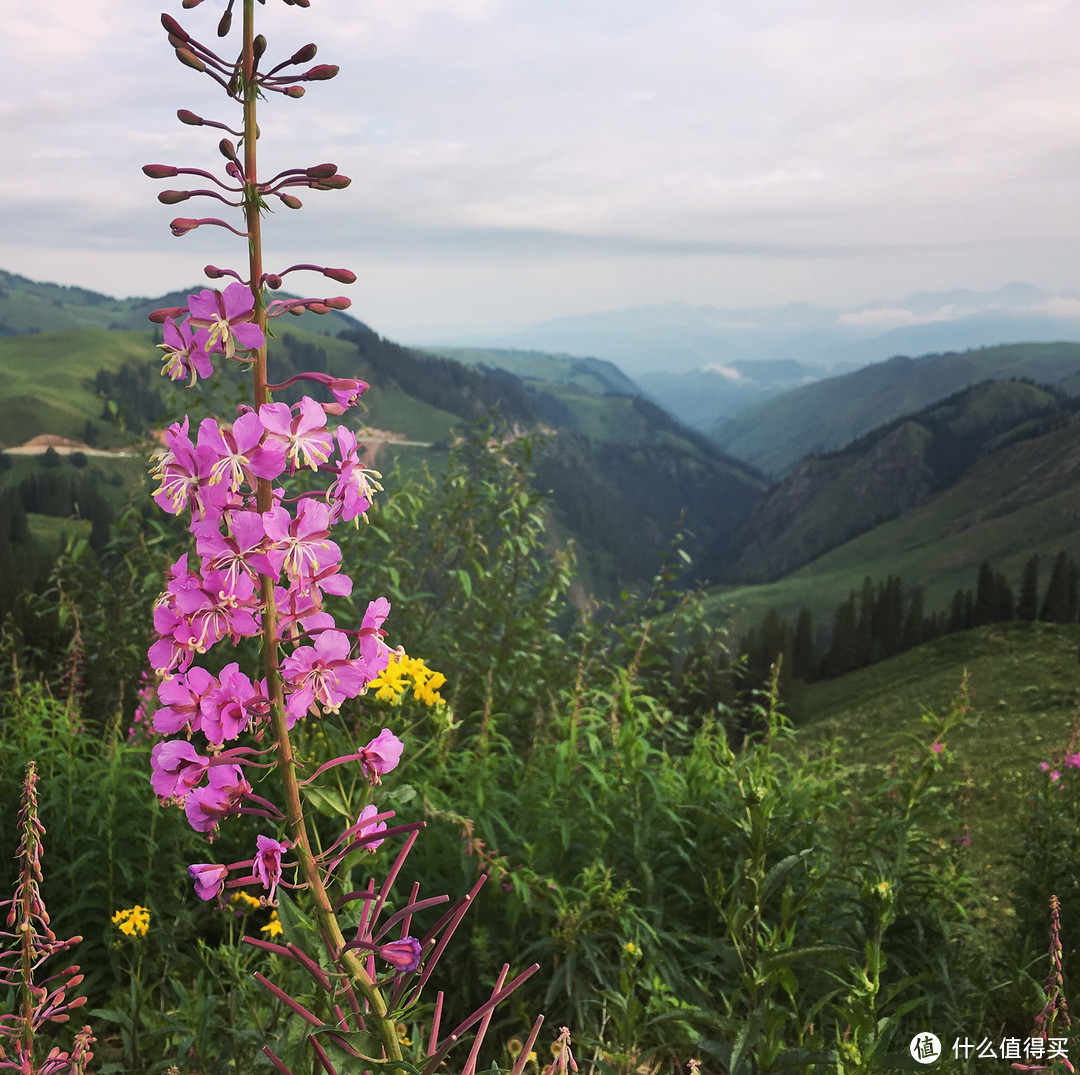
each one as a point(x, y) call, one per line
point(132, 921)
point(392, 683)
point(274, 926)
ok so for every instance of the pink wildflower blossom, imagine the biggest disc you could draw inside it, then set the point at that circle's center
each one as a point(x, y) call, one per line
point(381, 755)
point(227, 315)
point(267, 864)
point(403, 955)
point(208, 879)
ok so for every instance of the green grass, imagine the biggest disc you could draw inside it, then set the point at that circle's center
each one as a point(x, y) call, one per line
point(1025, 687)
point(43, 378)
point(51, 534)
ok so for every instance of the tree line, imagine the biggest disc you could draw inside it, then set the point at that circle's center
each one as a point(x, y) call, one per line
point(885, 618)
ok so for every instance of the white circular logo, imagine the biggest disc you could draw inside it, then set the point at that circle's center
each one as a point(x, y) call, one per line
point(925, 1048)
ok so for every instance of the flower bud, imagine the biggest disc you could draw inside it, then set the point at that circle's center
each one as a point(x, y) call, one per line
point(159, 317)
point(212, 272)
point(304, 55)
point(342, 276)
point(182, 225)
point(318, 307)
point(225, 24)
point(174, 27)
point(189, 59)
point(184, 116)
point(272, 280)
point(176, 42)
point(338, 302)
point(171, 197)
point(335, 182)
point(190, 3)
point(296, 311)
point(321, 171)
point(291, 201)
point(258, 47)
point(321, 72)
point(295, 91)
point(160, 171)
point(227, 149)
point(232, 169)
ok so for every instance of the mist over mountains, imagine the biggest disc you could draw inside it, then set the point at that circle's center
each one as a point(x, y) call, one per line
point(677, 338)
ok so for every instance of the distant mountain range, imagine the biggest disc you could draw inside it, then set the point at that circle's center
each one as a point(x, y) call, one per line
point(676, 338)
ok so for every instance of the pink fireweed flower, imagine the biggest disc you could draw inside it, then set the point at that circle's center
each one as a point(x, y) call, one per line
point(1045, 766)
point(184, 472)
point(205, 807)
point(1072, 761)
point(303, 542)
point(323, 675)
point(227, 315)
point(403, 955)
point(227, 710)
point(365, 828)
point(182, 696)
point(370, 636)
point(177, 768)
point(937, 748)
point(351, 493)
point(303, 435)
point(209, 879)
point(239, 453)
point(185, 352)
point(175, 649)
point(299, 611)
point(267, 864)
point(381, 755)
point(221, 606)
point(240, 551)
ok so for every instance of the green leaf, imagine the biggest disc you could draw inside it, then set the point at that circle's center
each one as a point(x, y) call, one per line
point(328, 801)
point(466, 582)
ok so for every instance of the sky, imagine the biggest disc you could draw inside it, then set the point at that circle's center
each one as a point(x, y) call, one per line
point(519, 160)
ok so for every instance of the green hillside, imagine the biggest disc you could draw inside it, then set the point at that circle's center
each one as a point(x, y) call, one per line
point(1023, 498)
point(827, 415)
point(828, 500)
point(1025, 686)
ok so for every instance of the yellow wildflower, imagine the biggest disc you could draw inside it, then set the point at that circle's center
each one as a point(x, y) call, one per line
point(274, 926)
point(391, 684)
point(246, 899)
point(132, 921)
point(403, 1034)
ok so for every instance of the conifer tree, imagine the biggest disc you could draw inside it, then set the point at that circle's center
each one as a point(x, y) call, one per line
point(985, 596)
point(956, 613)
point(843, 652)
point(803, 659)
point(1027, 606)
point(914, 625)
point(865, 627)
point(1055, 606)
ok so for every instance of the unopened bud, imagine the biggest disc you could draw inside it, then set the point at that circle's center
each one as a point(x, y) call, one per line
point(304, 55)
point(321, 72)
point(184, 116)
point(318, 308)
point(335, 182)
point(191, 3)
point(227, 149)
point(171, 197)
point(159, 317)
point(189, 59)
point(174, 28)
point(212, 272)
point(295, 91)
point(338, 302)
point(342, 276)
point(160, 171)
point(176, 42)
point(272, 280)
point(321, 171)
point(182, 225)
point(296, 311)
point(291, 201)
point(232, 169)
point(298, 3)
point(225, 24)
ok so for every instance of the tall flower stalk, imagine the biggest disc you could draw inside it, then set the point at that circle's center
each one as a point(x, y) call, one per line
point(26, 944)
point(247, 539)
